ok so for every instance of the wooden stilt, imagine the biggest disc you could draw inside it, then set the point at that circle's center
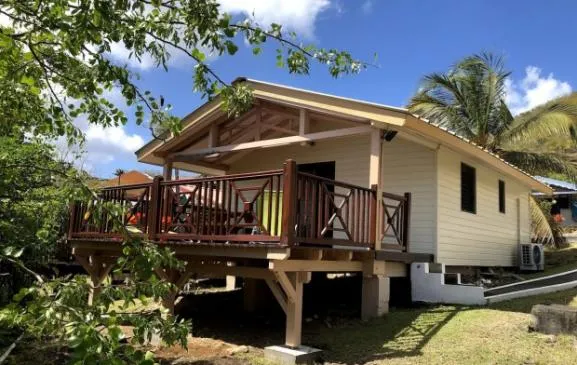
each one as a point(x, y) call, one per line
point(98, 268)
point(178, 279)
point(292, 285)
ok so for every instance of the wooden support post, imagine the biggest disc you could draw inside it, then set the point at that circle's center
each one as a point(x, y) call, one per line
point(258, 125)
point(289, 203)
point(213, 135)
point(255, 295)
point(178, 279)
point(407, 222)
point(230, 279)
point(154, 208)
point(167, 170)
point(375, 174)
point(98, 268)
point(303, 122)
point(294, 312)
point(374, 227)
point(73, 216)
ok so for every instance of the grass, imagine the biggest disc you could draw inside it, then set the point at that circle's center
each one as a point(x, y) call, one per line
point(497, 334)
point(557, 261)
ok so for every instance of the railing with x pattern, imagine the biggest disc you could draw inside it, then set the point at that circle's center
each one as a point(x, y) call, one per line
point(281, 207)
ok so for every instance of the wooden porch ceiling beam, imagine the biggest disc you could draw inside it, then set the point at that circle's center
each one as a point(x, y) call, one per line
point(271, 123)
point(216, 166)
point(277, 142)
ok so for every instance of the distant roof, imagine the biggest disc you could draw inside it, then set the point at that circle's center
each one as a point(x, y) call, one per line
point(557, 184)
point(128, 178)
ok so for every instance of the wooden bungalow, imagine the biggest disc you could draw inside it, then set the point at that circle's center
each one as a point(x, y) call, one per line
point(306, 182)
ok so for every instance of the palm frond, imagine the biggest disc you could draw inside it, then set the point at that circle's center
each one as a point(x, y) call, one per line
point(557, 118)
point(468, 99)
point(541, 163)
point(542, 229)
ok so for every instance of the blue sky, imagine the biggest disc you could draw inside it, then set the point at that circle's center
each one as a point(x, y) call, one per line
point(412, 38)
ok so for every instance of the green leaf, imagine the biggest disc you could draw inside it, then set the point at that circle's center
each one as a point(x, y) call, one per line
point(231, 47)
point(198, 55)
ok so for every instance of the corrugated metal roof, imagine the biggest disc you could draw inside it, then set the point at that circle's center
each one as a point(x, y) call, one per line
point(557, 183)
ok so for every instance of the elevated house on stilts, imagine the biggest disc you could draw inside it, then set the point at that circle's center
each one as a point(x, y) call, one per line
point(306, 182)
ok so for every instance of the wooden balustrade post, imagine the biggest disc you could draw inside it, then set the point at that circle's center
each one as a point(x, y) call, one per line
point(289, 203)
point(154, 208)
point(406, 221)
point(72, 220)
point(374, 226)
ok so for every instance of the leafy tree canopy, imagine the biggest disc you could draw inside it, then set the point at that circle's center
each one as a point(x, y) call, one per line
point(54, 64)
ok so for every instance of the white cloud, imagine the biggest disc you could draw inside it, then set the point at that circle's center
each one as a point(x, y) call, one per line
point(533, 90)
point(112, 139)
point(177, 58)
point(296, 15)
point(5, 21)
point(367, 6)
point(103, 147)
point(121, 54)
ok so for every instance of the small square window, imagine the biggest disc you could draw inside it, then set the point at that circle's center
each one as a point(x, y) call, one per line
point(501, 196)
point(468, 189)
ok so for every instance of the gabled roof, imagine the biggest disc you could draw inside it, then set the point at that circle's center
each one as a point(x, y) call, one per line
point(379, 115)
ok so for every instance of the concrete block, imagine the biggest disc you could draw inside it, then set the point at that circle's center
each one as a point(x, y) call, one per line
point(554, 319)
point(375, 300)
point(289, 356)
point(430, 287)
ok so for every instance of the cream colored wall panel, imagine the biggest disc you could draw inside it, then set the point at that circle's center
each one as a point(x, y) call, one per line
point(410, 167)
point(489, 237)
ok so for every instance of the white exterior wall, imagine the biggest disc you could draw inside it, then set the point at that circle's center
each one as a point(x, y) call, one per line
point(351, 156)
point(433, 177)
point(411, 167)
point(487, 238)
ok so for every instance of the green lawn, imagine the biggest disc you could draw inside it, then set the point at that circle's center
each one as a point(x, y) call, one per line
point(497, 334)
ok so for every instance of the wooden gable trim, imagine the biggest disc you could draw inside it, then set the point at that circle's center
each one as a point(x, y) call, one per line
point(276, 142)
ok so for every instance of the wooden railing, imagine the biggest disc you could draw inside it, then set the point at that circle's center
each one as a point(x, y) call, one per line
point(283, 207)
point(395, 212)
point(239, 208)
point(135, 199)
point(334, 213)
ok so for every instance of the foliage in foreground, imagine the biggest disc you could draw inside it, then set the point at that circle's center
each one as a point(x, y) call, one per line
point(33, 210)
point(56, 72)
point(37, 189)
point(58, 51)
point(470, 100)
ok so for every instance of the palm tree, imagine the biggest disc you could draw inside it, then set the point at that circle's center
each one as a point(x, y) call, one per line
point(470, 100)
point(119, 173)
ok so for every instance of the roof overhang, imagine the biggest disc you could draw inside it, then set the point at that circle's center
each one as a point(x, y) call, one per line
point(377, 115)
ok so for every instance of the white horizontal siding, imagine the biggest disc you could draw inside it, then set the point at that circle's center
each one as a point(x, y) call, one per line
point(410, 167)
point(487, 238)
point(351, 156)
